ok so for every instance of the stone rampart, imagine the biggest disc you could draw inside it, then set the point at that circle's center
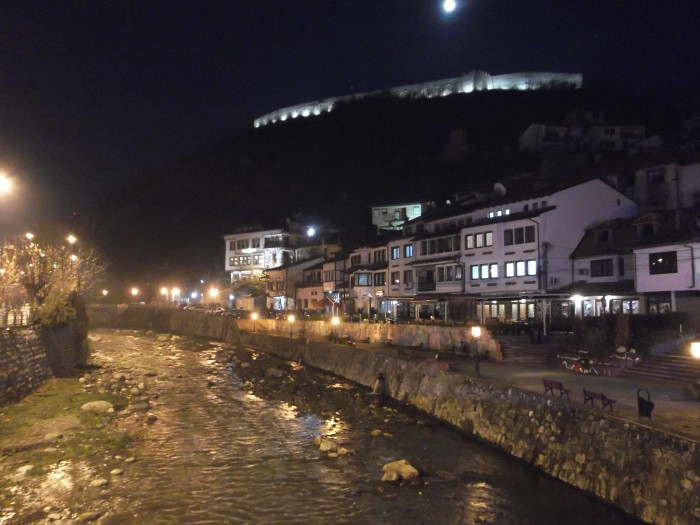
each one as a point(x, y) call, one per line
point(30, 356)
point(645, 472)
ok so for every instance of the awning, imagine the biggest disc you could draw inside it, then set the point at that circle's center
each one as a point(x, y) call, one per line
point(326, 302)
point(434, 260)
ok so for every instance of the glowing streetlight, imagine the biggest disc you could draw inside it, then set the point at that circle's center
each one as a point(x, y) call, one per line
point(29, 235)
point(290, 320)
point(135, 292)
point(105, 293)
point(476, 333)
point(72, 239)
point(254, 317)
point(695, 348)
point(5, 184)
point(335, 321)
point(213, 293)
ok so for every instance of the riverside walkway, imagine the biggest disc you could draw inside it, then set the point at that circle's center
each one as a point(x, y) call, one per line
point(675, 411)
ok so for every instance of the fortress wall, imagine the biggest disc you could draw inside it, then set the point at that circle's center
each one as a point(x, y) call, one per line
point(467, 83)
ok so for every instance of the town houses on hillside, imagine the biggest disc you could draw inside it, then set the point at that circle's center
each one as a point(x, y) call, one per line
point(626, 240)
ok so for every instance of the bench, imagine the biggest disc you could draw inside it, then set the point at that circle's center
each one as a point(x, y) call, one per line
point(550, 386)
point(592, 396)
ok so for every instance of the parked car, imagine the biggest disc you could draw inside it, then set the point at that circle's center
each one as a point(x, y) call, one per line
point(236, 313)
point(313, 315)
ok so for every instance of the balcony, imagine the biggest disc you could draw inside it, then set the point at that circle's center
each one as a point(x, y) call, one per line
point(426, 286)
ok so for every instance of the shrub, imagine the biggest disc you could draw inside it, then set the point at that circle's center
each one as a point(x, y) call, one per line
point(56, 310)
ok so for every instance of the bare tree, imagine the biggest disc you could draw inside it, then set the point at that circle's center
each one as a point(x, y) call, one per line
point(40, 269)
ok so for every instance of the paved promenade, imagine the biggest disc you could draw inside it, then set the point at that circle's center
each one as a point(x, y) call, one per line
point(675, 410)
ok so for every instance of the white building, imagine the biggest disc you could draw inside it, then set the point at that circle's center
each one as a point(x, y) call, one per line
point(285, 282)
point(367, 276)
point(250, 252)
point(394, 216)
point(507, 258)
point(613, 137)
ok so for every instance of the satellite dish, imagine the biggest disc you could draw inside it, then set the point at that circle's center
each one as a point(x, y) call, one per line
point(499, 189)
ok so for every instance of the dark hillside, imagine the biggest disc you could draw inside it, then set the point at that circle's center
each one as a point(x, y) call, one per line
point(379, 150)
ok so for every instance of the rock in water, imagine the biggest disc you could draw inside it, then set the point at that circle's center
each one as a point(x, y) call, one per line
point(399, 470)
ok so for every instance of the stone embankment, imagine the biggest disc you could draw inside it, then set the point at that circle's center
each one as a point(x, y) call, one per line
point(645, 472)
point(30, 356)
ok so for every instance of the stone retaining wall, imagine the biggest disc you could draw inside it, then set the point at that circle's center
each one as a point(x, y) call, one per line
point(30, 356)
point(645, 472)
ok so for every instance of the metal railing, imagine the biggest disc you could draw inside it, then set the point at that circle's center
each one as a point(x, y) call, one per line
point(16, 316)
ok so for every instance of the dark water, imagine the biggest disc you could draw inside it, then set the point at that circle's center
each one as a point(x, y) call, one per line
point(233, 446)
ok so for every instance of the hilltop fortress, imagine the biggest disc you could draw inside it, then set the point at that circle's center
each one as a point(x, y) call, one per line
point(472, 81)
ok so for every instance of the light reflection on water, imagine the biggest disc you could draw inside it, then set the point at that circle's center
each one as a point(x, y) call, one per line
point(233, 453)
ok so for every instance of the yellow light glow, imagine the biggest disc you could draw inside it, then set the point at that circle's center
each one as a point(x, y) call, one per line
point(72, 239)
point(213, 292)
point(335, 320)
point(254, 316)
point(291, 318)
point(175, 292)
point(5, 184)
point(476, 331)
point(164, 291)
point(105, 292)
point(695, 349)
point(134, 291)
point(29, 235)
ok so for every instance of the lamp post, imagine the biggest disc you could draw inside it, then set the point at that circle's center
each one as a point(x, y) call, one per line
point(476, 333)
point(254, 317)
point(134, 293)
point(695, 349)
point(290, 320)
point(335, 321)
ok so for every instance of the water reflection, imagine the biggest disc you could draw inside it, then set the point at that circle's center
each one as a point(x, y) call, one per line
point(241, 451)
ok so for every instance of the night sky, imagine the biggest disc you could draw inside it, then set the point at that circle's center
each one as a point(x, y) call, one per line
point(92, 92)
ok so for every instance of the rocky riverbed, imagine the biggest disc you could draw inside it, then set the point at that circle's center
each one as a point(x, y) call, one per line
point(165, 429)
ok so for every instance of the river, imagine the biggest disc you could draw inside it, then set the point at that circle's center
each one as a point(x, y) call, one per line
point(233, 443)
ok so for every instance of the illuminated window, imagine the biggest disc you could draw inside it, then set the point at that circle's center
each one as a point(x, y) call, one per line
point(663, 262)
point(395, 252)
point(408, 250)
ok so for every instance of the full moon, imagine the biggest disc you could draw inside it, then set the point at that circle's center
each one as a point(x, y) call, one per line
point(449, 6)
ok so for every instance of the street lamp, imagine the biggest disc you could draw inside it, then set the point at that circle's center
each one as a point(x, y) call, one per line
point(476, 333)
point(72, 239)
point(335, 320)
point(290, 320)
point(5, 184)
point(695, 348)
point(135, 292)
point(254, 317)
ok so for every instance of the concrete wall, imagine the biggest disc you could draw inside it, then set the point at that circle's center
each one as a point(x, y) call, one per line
point(30, 356)
point(645, 472)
